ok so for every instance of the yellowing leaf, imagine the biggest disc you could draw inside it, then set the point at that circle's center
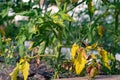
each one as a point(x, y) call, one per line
point(74, 49)
point(107, 66)
point(74, 1)
point(91, 7)
point(23, 66)
point(33, 29)
point(31, 44)
point(25, 69)
point(80, 61)
point(14, 73)
point(21, 61)
point(93, 46)
point(100, 30)
point(2, 30)
point(93, 56)
point(79, 66)
point(105, 59)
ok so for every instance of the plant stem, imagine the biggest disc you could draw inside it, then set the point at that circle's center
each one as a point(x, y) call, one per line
point(1, 46)
point(41, 56)
point(116, 27)
point(75, 6)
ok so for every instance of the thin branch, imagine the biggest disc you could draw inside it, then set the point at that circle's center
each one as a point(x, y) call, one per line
point(75, 6)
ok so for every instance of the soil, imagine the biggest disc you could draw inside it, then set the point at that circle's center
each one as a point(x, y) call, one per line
point(37, 72)
point(43, 72)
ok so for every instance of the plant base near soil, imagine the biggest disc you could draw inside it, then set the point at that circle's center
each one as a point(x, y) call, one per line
point(43, 72)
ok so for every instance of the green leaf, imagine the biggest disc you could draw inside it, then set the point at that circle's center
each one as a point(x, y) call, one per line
point(21, 40)
point(33, 30)
point(66, 16)
point(4, 12)
point(21, 50)
point(42, 47)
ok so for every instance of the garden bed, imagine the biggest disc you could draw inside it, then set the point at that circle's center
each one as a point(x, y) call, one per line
point(6, 69)
point(101, 77)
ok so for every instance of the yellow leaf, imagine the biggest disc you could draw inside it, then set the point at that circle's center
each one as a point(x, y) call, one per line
point(79, 66)
point(93, 46)
point(14, 73)
point(105, 59)
point(107, 66)
point(100, 30)
point(25, 69)
point(80, 61)
point(93, 56)
point(74, 49)
point(31, 45)
point(21, 61)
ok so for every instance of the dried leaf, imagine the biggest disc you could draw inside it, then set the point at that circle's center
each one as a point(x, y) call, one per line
point(93, 72)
